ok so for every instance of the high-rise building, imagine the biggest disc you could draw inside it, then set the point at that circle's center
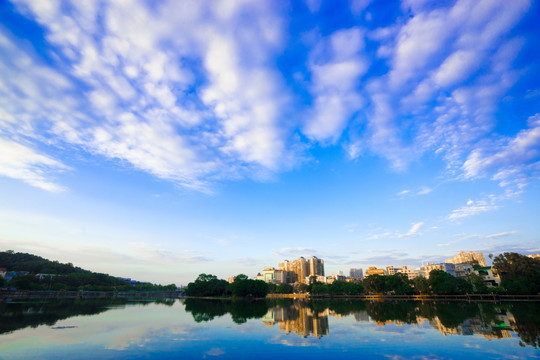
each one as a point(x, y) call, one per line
point(356, 273)
point(316, 266)
point(468, 257)
point(301, 268)
point(390, 270)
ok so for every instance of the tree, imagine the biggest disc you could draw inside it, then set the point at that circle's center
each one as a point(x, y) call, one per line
point(397, 284)
point(421, 284)
point(519, 274)
point(478, 283)
point(206, 285)
point(240, 277)
point(284, 289)
point(318, 289)
point(442, 283)
point(243, 287)
point(374, 284)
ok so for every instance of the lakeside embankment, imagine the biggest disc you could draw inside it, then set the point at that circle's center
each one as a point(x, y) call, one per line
point(466, 297)
point(47, 294)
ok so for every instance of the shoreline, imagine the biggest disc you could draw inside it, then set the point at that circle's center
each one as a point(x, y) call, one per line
point(381, 297)
point(83, 294)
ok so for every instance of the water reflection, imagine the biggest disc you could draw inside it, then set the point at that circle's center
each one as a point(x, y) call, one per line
point(299, 319)
point(312, 319)
point(490, 320)
point(22, 314)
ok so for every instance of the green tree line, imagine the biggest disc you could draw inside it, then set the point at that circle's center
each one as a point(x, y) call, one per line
point(519, 275)
point(64, 276)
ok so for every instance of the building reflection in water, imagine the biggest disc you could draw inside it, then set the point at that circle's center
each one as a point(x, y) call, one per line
point(491, 322)
point(298, 319)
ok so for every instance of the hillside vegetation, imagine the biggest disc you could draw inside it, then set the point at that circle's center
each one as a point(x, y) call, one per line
point(54, 275)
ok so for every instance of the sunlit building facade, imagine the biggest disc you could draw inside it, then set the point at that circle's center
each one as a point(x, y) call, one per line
point(468, 257)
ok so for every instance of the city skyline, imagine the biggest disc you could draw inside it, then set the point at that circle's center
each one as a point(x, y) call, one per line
point(161, 140)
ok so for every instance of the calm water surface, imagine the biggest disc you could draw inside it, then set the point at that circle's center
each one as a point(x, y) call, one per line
point(185, 329)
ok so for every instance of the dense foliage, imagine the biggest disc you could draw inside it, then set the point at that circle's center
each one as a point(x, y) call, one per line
point(338, 287)
point(210, 285)
point(442, 283)
point(64, 276)
point(519, 274)
point(34, 264)
point(207, 285)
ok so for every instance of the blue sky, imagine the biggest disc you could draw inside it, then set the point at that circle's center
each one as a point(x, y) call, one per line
point(158, 140)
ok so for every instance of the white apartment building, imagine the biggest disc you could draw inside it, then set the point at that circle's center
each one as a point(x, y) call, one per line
point(411, 273)
point(446, 267)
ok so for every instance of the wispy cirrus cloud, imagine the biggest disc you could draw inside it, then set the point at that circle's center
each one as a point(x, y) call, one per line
point(434, 58)
point(413, 231)
point(501, 234)
point(24, 163)
point(472, 208)
point(188, 108)
point(465, 237)
point(512, 161)
point(336, 65)
point(117, 81)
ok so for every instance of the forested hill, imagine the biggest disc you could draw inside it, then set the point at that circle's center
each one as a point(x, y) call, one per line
point(63, 276)
point(15, 261)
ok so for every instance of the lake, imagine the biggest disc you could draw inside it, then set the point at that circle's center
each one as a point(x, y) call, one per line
point(224, 329)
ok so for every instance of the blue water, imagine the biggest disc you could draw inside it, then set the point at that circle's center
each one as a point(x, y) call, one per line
point(220, 330)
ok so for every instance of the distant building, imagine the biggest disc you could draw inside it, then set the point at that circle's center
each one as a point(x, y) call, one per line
point(316, 266)
point(356, 273)
point(268, 274)
point(534, 256)
point(301, 270)
point(3, 272)
point(463, 270)
point(11, 274)
point(335, 277)
point(468, 257)
point(446, 267)
point(490, 278)
point(372, 270)
point(390, 270)
point(411, 273)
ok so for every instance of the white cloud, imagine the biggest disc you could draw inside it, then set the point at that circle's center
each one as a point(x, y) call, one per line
point(404, 192)
point(212, 104)
point(413, 231)
point(415, 228)
point(336, 66)
point(424, 190)
point(144, 102)
point(24, 163)
point(501, 234)
point(472, 208)
point(449, 68)
point(511, 159)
